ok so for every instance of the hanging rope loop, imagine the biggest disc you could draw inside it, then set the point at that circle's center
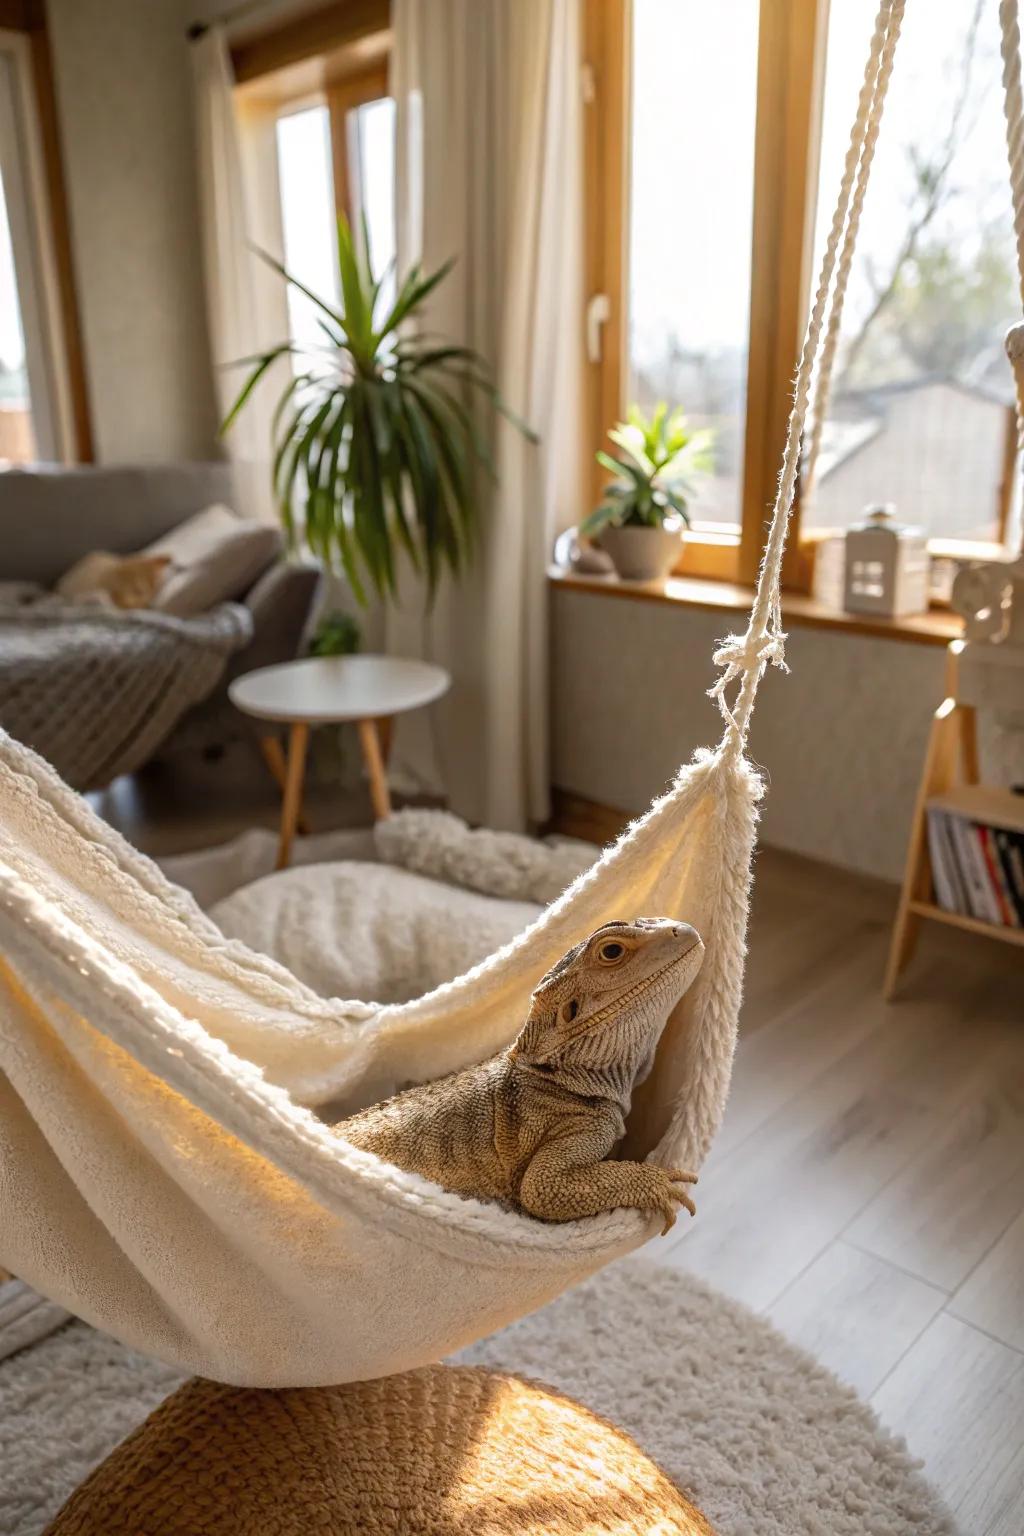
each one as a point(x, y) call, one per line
point(1013, 109)
point(746, 657)
point(819, 404)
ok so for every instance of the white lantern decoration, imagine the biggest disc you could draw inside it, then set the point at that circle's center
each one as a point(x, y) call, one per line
point(886, 566)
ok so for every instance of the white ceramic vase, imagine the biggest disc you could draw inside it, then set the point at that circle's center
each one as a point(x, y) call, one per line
point(644, 554)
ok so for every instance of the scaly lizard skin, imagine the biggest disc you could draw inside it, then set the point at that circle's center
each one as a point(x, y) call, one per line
point(536, 1126)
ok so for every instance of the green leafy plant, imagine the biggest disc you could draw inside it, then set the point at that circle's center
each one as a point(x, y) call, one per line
point(336, 635)
point(375, 447)
point(659, 462)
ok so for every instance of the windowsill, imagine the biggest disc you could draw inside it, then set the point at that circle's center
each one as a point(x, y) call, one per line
point(936, 627)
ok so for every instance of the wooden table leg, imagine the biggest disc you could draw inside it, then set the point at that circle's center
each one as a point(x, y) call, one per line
point(380, 796)
point(385, 730)
point(297, 743)
point(273, 756)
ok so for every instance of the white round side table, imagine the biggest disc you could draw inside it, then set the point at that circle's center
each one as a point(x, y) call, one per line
point(330, 690)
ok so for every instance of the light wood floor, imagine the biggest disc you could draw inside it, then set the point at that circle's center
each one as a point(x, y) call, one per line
point(186, 804)
point(866, 1191)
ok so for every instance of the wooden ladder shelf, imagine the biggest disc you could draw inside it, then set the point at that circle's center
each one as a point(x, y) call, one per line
point(951, 760)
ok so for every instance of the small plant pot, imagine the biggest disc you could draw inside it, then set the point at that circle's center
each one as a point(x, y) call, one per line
point(644, 554)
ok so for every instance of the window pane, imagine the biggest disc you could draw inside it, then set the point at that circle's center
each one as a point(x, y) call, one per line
point(922, 396)
point(690, 225)
point(17, 442)
point(375, 183)
point(308, 218)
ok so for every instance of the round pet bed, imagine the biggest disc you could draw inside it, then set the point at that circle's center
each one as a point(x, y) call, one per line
point(371, 931)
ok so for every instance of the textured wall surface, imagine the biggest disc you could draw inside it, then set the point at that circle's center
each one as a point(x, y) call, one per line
point(841, 739)
point(125, 111)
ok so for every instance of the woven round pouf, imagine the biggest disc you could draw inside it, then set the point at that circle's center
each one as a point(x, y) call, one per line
point(445, 1451)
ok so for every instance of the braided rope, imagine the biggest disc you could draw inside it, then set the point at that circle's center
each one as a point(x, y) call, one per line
point(1014, 113)
point(826, 366)
point(1013, 109)
point(748, 655)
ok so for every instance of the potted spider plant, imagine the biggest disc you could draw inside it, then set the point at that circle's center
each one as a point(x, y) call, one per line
point(643, 515)
point(375, 447)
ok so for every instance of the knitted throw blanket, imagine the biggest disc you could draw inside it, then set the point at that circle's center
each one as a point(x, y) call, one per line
point(95, 691)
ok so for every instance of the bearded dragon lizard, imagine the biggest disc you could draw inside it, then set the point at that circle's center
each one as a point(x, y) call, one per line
point(536, 1126)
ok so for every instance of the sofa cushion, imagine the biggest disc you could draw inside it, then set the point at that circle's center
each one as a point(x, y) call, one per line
point(215, 557)
point(369, 930)
point(59, 513)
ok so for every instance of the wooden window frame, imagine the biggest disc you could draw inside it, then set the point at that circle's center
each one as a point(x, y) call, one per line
point(360, 27)
point(790, 87)
point(790, 77)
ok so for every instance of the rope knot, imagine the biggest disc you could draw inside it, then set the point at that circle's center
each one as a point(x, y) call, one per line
point(742, 653)
point(746, 655)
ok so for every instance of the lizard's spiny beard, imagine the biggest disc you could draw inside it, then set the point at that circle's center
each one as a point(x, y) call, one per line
point(617, 1055)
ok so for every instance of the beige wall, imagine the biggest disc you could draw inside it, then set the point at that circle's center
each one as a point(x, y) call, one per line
point(841, 739)
point(124, 105)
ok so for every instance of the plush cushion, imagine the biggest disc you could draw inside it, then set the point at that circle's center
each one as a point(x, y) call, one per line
point(369, 930)
point(441, 845)
point(127, 581)
point(215, 557)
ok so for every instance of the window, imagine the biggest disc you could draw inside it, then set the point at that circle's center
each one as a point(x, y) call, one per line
point(922, 410)
point(307, 218)
point(373, 153)
point(690, 224)
point(703, 167)
point(333, 151)
point(319, 78)
point(35, 410)
point(363, 134)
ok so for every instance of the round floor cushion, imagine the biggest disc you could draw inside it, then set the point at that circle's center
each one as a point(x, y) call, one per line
point(434, 1452)
point(369, 930)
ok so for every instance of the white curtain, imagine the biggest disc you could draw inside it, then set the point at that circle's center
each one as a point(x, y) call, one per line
point(489, 168)
point(245, 300)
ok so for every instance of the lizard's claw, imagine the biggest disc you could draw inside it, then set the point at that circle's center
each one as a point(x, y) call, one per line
point(676, 1194)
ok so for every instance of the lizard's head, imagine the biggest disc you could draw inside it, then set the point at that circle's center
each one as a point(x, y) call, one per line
point(609, 997)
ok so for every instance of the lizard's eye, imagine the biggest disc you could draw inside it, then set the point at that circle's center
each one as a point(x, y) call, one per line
point(611, 952)
point(570, 1010)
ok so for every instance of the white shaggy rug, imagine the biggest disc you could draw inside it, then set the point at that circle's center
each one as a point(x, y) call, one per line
point(766, 1442)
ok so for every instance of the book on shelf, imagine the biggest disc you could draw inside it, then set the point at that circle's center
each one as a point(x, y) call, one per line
point(976, 851)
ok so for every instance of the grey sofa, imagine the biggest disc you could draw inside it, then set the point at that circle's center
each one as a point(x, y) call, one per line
point(51, 515)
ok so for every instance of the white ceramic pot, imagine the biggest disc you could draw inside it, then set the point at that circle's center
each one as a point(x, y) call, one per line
point(644, 554)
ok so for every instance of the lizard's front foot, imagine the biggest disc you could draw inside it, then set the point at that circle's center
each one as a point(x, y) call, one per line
point(672, 1190)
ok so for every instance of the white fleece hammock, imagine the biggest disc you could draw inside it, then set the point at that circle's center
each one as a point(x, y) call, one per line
point(160, 1173)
